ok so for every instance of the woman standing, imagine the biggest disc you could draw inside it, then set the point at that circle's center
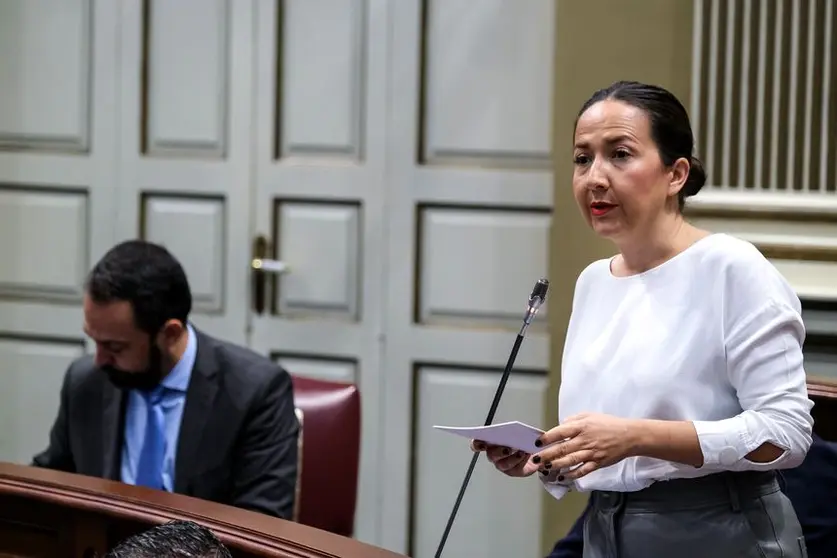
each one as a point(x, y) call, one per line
point(682, 385)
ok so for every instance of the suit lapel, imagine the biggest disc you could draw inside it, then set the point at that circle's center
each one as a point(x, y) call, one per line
point(200, 397)
point(111, 420)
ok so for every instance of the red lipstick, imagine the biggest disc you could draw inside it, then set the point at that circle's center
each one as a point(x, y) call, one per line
point(600, 208)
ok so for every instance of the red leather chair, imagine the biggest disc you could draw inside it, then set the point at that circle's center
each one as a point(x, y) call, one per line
point(329, 414)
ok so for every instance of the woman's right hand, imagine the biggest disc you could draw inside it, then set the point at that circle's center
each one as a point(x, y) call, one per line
point(511, 462)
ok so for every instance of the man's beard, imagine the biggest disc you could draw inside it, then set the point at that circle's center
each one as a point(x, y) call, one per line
point(144, 380)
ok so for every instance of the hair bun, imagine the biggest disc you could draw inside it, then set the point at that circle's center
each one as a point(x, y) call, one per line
point(696, 178)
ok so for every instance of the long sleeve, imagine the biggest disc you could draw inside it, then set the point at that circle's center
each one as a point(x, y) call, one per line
point(265, 471)
point(58, 455)
point(765, 367)
point(550, 482)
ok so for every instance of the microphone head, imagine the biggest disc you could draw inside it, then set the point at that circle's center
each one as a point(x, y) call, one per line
point(536, 300)
point(539, 292)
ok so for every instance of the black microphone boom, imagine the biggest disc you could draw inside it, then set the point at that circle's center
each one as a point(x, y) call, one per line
point(536, 300)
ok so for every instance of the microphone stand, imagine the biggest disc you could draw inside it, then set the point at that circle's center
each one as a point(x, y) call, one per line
point(536, 299)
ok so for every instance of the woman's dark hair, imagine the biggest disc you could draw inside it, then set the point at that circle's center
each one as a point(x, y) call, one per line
point(147, 276)
point(670, 126)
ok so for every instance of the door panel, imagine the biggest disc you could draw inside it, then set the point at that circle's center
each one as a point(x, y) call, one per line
point(499, 515)
point(185, 109)
point(469, 161)
point(57, 178)
point(33, 373)
point(319, 199)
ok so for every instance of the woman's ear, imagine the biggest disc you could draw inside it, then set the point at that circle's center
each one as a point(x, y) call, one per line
point(679, 174)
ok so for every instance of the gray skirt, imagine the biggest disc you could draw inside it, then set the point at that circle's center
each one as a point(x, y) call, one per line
point(724, 515)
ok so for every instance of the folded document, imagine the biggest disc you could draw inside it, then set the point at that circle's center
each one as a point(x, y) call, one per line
point(515, 435)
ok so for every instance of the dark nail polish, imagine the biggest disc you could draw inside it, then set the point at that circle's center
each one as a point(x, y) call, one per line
point(536, 459)
point(544, 473)
point(506, 451)
point(548, 466)
point(538, 443)
point(560, 478)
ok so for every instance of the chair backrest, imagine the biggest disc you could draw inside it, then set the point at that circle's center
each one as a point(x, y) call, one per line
point(330, 454)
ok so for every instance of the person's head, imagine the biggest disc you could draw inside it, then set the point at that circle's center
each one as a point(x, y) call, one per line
point(136, 305)
point(176, 539)
point(633, 160)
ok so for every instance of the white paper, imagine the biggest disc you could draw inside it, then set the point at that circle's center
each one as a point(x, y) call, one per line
point(515, 435)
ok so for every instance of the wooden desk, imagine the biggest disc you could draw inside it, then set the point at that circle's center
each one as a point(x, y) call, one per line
point(50, 514)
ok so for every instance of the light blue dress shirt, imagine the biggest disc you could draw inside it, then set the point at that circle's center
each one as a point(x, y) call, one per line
point(174, 400)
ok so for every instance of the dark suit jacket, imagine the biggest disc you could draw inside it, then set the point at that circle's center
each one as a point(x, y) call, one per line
point(238, 435)
point(811, 488)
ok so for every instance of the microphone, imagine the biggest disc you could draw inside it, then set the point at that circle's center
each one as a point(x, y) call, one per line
point(536, 300)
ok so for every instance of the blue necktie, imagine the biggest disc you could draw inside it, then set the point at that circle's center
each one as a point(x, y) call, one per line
point(150, 466)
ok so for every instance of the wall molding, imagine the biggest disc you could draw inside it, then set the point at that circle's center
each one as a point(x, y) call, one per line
point(797, 232)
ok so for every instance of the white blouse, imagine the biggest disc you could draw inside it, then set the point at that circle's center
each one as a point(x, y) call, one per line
point(714, 336)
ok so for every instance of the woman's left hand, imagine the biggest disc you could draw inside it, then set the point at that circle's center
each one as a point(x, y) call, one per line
point(586, 442)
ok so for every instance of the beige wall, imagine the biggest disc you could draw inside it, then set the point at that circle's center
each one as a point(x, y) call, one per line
point(598, 42)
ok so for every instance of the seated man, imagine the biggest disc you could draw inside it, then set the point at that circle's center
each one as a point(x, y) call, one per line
point(176, 539)
point(164, 405)
point(810, 487)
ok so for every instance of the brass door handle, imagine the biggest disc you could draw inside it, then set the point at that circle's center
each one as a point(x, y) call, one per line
point(264, 270)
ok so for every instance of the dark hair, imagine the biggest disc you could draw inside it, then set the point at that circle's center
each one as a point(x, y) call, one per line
point(148, 277)
point(670, 126)
point(176, 539)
